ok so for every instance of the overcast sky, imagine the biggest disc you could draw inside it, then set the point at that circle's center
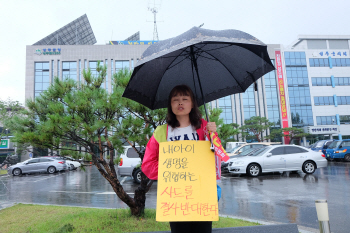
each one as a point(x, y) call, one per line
point(272, 21)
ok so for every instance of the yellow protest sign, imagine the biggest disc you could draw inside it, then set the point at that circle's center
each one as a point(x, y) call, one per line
point(186, 182)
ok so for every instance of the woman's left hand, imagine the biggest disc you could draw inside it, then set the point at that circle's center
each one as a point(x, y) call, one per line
point(211, 126)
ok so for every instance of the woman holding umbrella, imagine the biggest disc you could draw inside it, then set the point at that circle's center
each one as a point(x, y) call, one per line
point(184, 122)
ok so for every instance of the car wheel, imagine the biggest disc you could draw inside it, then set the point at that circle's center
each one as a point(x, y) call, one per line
point(347, 158)
point(309, 167)
point(71, 167)
point(253, 170)
point(330, 159)
point(17, 172)
point(137, 176)
point(51, 170)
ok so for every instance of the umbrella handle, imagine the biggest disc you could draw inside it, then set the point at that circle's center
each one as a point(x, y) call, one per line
point(212, 147)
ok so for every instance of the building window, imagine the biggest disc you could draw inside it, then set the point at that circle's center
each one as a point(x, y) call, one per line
point(58, 69)
point(52, 66)
point(93, 67)
point(80, 71)
point(342, 81)
point(319, 62)
point(106, 80)
point(345, 119)
point(225, 104)
point(324, 100)
point(299, 90)
point(271, 93)
point(321, 81)
point(343, 100)
point(121, 65)
point(341, 62)
point(326, 120)
point(249, 103)
point(295, 58)
point(42, 77)
point(69, 70)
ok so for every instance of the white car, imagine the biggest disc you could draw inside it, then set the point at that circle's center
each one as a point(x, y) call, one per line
point(278, 158)
point(130, 164)
point(71, 165)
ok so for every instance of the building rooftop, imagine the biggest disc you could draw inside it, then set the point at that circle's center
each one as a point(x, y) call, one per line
point(77, 32)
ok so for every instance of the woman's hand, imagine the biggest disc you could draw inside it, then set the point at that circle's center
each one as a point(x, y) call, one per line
point(211, 126)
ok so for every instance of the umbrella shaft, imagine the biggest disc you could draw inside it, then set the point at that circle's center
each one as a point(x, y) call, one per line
point(199, 81)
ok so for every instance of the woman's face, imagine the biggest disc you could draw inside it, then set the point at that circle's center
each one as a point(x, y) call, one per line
point(181, 105)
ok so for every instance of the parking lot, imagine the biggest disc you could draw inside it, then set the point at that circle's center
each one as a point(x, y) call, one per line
point(274, 197)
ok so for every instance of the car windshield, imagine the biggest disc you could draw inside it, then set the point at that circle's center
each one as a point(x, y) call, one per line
point(247, 152)
point(334, 144)
point(260, 151)
point(319, 144)
point(233, 149)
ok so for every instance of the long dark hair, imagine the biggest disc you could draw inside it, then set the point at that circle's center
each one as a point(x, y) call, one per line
point(195, 114)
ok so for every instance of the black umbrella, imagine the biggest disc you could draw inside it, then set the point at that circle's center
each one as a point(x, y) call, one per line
point(212, 63)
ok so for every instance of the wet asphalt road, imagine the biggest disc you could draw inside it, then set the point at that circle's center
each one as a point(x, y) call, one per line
point(277, 197)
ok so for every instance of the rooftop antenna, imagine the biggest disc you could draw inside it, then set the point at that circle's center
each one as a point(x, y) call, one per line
point(154, 10)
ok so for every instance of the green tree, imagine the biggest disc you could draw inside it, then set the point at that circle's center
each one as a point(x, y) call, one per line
point(8, 109)
point(254, 127)
point(70, 115)
point(292, 133)
point(226, 132)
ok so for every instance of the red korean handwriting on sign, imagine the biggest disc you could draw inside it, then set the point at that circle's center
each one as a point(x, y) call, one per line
point(186, 182)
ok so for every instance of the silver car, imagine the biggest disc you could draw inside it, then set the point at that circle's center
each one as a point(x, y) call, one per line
point(37, 165)
point(278, 158)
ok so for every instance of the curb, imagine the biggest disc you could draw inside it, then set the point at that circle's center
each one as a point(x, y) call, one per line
point(301, 229)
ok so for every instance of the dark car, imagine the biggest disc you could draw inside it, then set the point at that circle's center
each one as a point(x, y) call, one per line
point(321, 145)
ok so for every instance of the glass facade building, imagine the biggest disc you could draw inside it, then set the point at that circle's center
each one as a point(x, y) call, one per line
point(315, 76)
point(42, 77)
point(298, 89)
point(271, 95)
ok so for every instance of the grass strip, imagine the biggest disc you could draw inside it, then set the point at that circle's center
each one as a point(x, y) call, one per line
point(59, 219)
point(3, 172)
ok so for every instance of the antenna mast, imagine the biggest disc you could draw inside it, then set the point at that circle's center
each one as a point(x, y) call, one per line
point(154, 10)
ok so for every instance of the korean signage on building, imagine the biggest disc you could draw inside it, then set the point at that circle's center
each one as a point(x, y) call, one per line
point(133, 42)
point(49, 51)
point(325, 129)
point(331, 53)
point(281, 91)
point(4, 144)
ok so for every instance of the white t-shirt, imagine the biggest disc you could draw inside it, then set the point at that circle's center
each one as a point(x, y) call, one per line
point(186, 133)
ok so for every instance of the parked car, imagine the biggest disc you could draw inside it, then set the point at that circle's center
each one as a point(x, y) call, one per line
point(321, 145)
point(129, 164)
point(71, 164)
point(338, 149)
point(241, 148)
point(278, 158)
point(224, 165)
point(230, 145)
point(49, 165)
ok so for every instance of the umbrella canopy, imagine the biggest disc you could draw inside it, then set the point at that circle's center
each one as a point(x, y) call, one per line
point(212, 63)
